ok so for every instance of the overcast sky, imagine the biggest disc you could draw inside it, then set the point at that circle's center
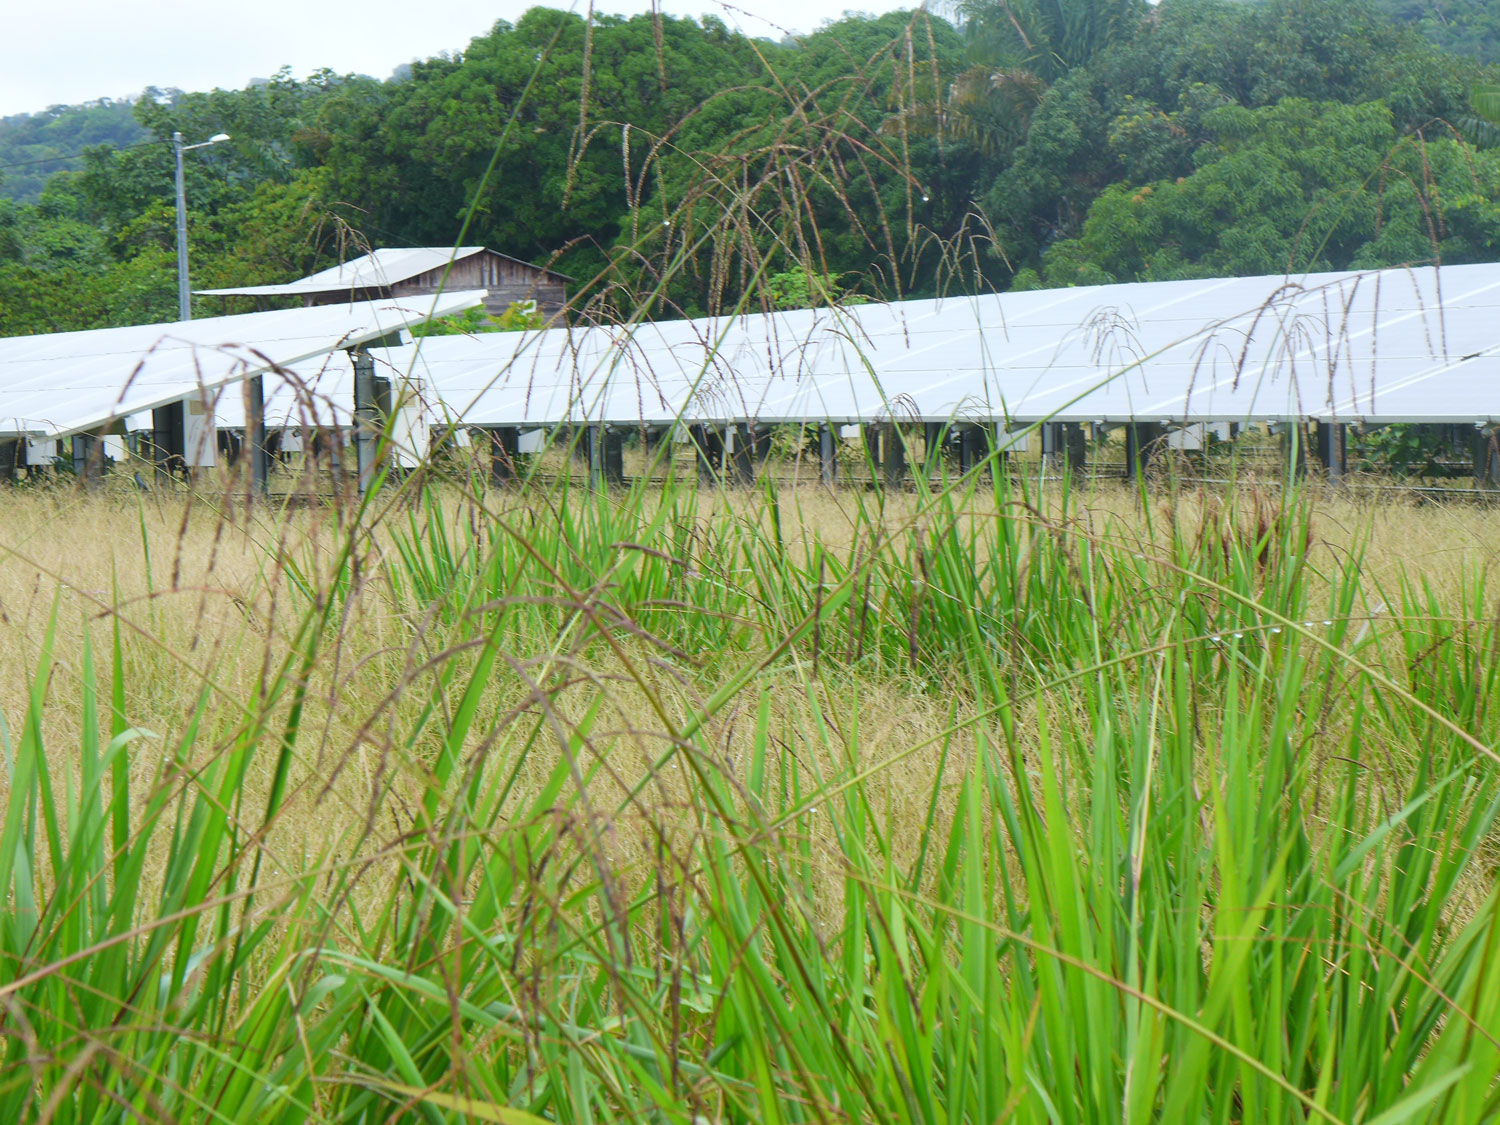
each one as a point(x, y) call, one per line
point(78, 50)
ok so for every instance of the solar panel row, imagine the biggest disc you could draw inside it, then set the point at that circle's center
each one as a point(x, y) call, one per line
point(71, 382)
point(1406, 345)
point(1395, 345)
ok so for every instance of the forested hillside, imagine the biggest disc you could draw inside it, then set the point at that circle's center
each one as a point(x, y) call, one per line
point(34, 147)
point(1030, 143)
point(1470, 27)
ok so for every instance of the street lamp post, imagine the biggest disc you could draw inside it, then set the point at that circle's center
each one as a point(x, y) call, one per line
point(254, 424)
point(184, 299)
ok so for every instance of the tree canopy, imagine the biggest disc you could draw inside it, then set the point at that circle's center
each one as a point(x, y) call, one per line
point(678, 164)
point(36, 146)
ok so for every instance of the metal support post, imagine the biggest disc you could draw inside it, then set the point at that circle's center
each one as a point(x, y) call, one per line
point(1141, 442)
point(10, 459)
point(333, 439)
point(1456, 436)
point(85, 450)
point(1074, 447)
point(869, 435)
point(593, 442)
point(255, 437)
point(709, 447)
point(366, 417)
point(932, 446)
point(828, 457)
point(1001, 443)
point(760, 443)
point(971, 448)
point(1052, 442)
point(1486, 458)
point(742, 452)
point(168, 440)
point(652, 440)
point(614, 456)
point(505, 446)
point(1331, 448)
point(1294, 449)
point(892, 455)
point(606, 456)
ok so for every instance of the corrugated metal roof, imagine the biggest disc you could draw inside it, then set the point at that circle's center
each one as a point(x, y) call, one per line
point(70, 382)
point(377, 269)
point(374, 270)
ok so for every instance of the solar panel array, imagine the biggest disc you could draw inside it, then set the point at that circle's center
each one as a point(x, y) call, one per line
point(63, 383)
point(1417, 345)
point(1394, 345)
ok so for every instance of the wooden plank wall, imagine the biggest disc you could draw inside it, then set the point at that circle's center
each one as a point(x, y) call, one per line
point(506, 280)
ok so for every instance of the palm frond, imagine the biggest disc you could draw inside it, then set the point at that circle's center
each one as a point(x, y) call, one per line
point(1485, 102)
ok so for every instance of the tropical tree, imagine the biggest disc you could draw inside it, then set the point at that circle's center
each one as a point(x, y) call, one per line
point(1292, 187)
point(1048, 38)
point(1017, 49)
point(987, 107)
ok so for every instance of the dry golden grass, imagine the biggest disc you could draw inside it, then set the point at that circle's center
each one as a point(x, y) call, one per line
point(203, 593)
point(202, 589)
point(858, 754)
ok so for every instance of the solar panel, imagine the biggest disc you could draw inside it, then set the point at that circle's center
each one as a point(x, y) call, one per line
point(1396, 345)
point(1393, 345)
point(63, 383)
point(315, 394)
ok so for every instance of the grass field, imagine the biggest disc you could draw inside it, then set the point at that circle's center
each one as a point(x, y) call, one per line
point(984, 802)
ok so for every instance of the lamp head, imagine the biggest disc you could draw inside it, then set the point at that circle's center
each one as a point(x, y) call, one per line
point(217, 137)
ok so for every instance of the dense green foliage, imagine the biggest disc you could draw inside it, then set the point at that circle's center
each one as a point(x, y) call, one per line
point(1202, 81)
point(1291, 187)
point(1470, 27)
point(1039, 142)
point(36, 146)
